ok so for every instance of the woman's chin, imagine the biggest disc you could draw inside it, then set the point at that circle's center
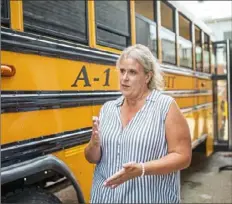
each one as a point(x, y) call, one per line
point(126, 93)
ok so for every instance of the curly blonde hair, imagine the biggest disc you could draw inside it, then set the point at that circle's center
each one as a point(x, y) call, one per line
point(146, 59)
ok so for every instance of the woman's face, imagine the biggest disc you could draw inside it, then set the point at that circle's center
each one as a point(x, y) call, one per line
point(133, 80)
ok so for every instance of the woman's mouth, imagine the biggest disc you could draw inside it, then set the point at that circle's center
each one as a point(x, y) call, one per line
point(125, 86)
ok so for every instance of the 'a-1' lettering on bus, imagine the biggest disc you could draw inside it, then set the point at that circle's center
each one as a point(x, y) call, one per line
point(83, 76)
point(169, 81)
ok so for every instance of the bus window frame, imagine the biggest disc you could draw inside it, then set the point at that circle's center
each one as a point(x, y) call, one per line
point(151, 23)
point(157, 20)
point(154, 5)
point(201, 40)
point(173, 16)
point(61, 36)
point(100, 44)
point(209, 60)
point(190, 25)
point(212, 66)
point(190, 38)
point(159, 27)
point(5, 20)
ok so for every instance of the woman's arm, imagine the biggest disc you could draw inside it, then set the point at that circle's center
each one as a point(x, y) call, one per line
point(93, 149)
point(179, 145)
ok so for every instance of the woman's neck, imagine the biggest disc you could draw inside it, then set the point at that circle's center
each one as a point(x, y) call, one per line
point(136, 101)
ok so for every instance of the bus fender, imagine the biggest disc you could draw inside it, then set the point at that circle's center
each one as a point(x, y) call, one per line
point(48, 162)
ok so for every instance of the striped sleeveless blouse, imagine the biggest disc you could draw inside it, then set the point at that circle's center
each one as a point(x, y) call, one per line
point(142, 140)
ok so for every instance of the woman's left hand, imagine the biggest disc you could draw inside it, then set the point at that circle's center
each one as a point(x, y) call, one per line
point(129, 171)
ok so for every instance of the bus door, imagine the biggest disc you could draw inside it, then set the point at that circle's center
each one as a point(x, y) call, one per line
point(222, 96)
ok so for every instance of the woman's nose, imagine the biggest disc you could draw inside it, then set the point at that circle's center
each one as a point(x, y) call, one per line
point(125, 76)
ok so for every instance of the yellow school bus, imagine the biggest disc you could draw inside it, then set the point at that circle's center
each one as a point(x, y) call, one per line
point(58, 68)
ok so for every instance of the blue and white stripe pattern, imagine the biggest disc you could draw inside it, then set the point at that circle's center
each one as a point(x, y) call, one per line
point(142, 140)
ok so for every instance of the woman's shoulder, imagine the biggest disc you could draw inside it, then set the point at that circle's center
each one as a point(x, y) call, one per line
point(161, 97)
point(165, 98)
point(164, 103)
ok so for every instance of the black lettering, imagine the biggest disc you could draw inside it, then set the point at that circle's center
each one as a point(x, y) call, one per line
point(166, 82)
point(169, 81)
point(82, 76)
point(107, 77)
point(173, 80)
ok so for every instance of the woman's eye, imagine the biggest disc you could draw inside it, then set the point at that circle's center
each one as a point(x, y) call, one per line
point(122, 71)
point(132, 72)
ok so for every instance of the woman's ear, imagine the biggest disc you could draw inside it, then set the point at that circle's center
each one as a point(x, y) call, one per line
point(148, 77)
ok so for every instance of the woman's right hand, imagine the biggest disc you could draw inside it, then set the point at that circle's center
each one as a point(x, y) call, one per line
point(95, 138)
point(93, 149)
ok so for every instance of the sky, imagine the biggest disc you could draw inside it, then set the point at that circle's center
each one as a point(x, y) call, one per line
point(209, 9)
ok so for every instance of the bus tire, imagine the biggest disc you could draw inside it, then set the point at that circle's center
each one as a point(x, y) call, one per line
point(31, 196)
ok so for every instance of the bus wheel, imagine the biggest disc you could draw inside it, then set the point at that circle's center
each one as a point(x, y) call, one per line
point(31, 196)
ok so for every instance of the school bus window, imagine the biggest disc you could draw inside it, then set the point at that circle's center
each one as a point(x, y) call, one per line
point(5, 11)
point(144, 11)
point(62, 19)
point(167, 16)
point(221, 59)
point(112, 19)
point(206, 54)
point(213, 59)
point(198, 47)
point(167, 34)
point(145, 8)
point(185, 42)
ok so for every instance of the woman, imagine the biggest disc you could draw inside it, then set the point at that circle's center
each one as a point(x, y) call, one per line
point(141, 140)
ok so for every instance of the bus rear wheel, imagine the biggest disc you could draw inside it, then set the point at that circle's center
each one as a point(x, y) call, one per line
point(31, 196)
